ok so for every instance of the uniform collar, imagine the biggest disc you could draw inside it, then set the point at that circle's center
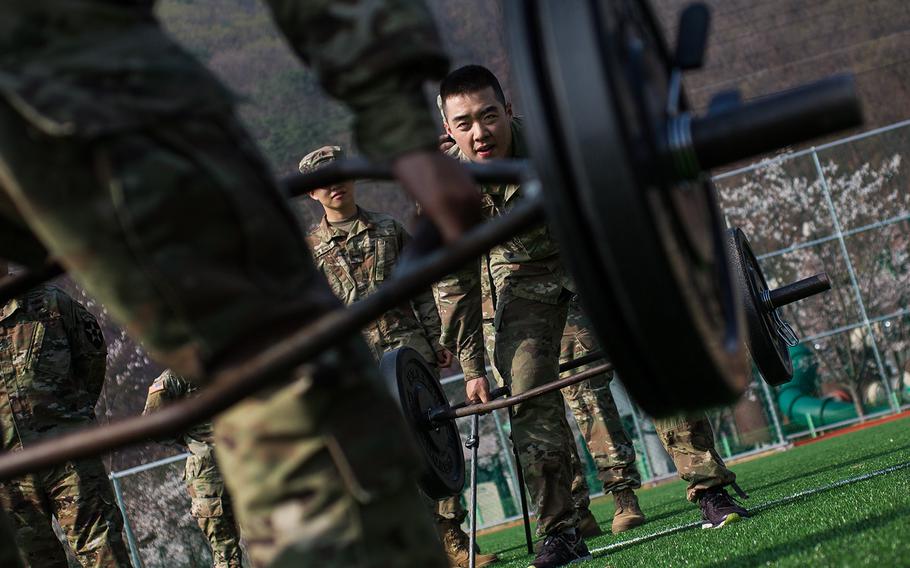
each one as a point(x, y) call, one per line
point(327, 233)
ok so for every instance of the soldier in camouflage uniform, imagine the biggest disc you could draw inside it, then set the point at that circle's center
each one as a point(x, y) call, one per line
point(581, 493)
point(211, 503)
point(122, 156)
point(52, 365)
point(357, 250)
point(531, 295)
point(600, 424)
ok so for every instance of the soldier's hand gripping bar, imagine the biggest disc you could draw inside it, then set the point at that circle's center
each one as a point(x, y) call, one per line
point(460, 411)
point(442, 412)
point(506, 391)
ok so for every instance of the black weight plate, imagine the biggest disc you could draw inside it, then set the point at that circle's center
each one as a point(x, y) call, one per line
point(768, 349)
point(647, 253)
point(417, 391)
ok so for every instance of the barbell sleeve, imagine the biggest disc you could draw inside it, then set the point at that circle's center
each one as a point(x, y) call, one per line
point(271, 365)
point(776, 121)
point(799, 290)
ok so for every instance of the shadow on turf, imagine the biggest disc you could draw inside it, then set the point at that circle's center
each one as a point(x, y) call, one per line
point(768, 556)
point(831, 467)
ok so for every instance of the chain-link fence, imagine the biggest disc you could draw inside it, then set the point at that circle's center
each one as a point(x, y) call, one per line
point(843, 208)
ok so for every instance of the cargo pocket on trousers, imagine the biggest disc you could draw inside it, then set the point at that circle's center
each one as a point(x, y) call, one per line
point(206, 508)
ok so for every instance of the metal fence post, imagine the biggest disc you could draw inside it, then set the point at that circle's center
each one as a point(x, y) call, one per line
point(127, 529)
point(772, 404)
point(645, 458)
point(839, 233)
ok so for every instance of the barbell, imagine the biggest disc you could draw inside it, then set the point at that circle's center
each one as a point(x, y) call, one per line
point(617, 169)
point(769, 335)
point(432, 419)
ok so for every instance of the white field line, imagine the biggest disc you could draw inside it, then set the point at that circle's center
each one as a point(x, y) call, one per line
point(762, 507)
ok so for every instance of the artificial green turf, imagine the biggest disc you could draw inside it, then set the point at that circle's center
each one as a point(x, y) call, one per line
point(863, 523)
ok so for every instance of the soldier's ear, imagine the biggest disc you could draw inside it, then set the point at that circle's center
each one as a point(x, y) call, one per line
point(509, 110)
point(312, 195)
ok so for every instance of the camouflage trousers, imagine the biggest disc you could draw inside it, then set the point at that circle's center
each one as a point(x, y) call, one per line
point(212, 507)
point(79, 495)
point(595, 412)
point(526, 343)
point(179, 231)
point(688, 439)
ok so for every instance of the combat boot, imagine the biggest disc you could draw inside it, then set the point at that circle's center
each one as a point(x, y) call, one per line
point(457, 546)
point(627, 514)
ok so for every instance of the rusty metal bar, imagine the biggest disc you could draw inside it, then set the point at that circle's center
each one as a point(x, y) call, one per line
point(485, 407)
point(502, 171)
point(505, 391)
point(272, 364)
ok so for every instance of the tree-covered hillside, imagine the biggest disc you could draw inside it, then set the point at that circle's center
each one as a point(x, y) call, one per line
point(281, 102)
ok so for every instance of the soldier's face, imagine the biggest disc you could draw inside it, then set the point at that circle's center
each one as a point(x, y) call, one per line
point(338, 197)
point(479, 124)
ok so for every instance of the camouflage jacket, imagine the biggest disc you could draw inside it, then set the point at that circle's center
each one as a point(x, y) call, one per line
point(52, 365)
point(169, 387)
point(357, 263)
point(57, 70)
point(526, 266)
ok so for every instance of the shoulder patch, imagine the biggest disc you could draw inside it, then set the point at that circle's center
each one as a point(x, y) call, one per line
point(156, 387)
point(92, 331)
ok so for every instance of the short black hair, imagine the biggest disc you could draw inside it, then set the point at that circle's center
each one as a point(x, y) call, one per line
point(470, 79)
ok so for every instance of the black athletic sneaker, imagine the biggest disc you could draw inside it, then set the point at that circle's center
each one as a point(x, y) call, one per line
point(561, 549)
point(718, 509)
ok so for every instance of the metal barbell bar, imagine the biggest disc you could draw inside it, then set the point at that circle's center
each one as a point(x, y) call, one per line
point(447, 412)
point(234, 384)
point(505, 171)
point(440, 414)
